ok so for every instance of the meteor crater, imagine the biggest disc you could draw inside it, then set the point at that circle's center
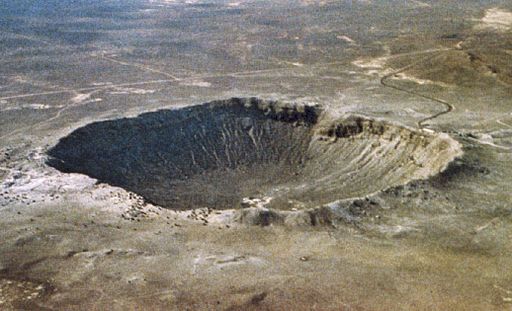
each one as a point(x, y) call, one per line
point(223, 153)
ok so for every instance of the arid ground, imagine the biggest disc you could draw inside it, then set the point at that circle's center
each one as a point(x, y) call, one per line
point(255, 155)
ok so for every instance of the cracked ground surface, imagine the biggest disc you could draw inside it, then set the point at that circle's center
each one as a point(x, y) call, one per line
point(71, 243)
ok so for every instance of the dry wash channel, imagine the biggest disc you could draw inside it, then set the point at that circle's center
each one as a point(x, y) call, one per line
point(216, 154)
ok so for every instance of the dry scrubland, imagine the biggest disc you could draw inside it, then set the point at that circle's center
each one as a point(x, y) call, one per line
point(255, 155)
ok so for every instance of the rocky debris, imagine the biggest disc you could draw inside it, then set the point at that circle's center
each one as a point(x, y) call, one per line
point(421, 189)
point(200, 215)
point(8, 197)
point(19, 294)
point(464, 166)
point(260, 216)
point(136, 206)
point(341, 212)
point(255, 202)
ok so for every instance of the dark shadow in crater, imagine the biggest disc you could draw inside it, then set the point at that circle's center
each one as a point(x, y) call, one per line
point(208, 155)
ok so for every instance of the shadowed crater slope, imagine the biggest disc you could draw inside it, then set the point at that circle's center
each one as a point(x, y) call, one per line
point(216, 154)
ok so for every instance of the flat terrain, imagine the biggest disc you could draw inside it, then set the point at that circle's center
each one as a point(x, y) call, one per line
point(69, 242)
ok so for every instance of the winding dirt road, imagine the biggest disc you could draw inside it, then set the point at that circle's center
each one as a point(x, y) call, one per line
point(448, 107)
